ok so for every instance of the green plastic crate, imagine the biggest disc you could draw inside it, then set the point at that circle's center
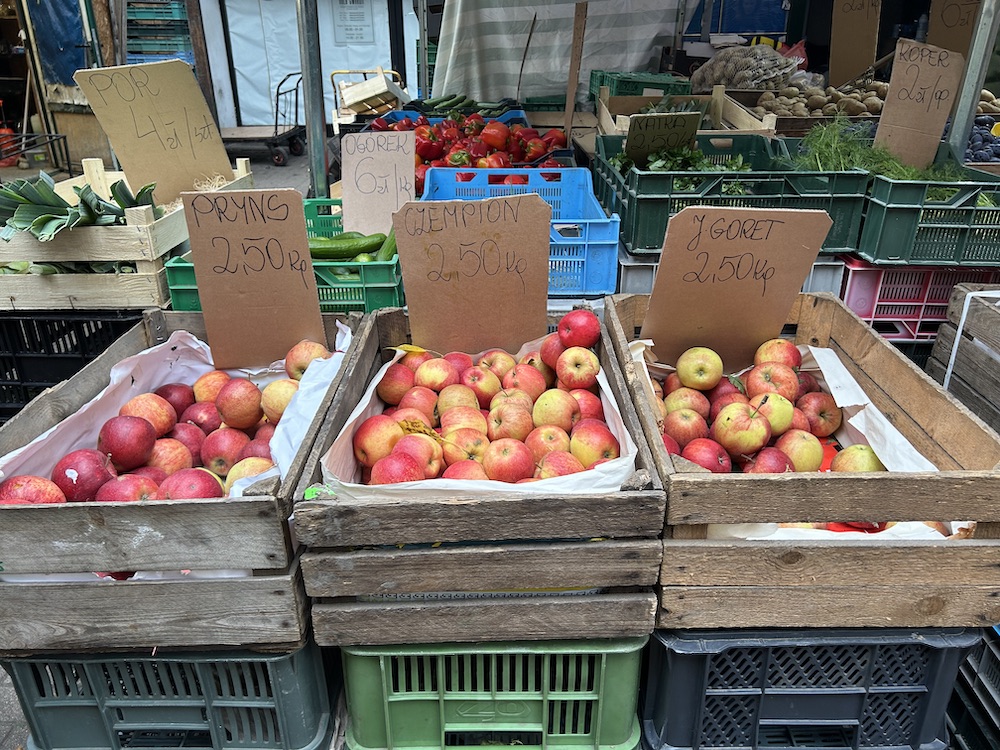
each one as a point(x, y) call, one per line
point(638, 84)
point(545, 103)
point(646, 200)
point(576, 695)
point(917, 222)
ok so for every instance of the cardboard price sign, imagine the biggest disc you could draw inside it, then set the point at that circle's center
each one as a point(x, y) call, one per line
point(255, 274)
point(650, 133)
point(377, 178)
point(922, 90)
point(950, 24)
point(728, 278)
point(476, 273)
point(159, 125)
point(853, 38)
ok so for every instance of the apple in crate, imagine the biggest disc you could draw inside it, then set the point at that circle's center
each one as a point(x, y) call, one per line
point(772, 377)
point(463, 416)
point(509, 420)
point(395, 382)
point(276, 396)
point(778, 350)
point(247, 467)
point(152, 472)
point(807, 384)
point(822, 412)
point(593, 442)
point(208, 385)
point(777, 409)
point(80, 473)
point(456, 394)
point(239, 403)
point(410, 414)
point(192, 437)
point(221, 449)
point(579, 328)
point(768, 461)
point(127, 488)
point(257, 449)
point(414, 359)
point(723, 401)
point(803, 448)
point(203, 414)
point(27, 489)
point(483, 382)
point(303, 354)
point(590, 404)
point(685, 425)
point(699, 367)
point(460, 360)
point(396, 468)
point(514, 396)
point(858, 457)
point(508, 460)
point(498, 362)
point(526, 378)
point(127, 440)
point(558, 464)
point(154, 409)
point(422, 398)
point(534, 358)
point(425, 449)
point(709, 455)
point(550, 349)
point(465, 469)
point(741, 429)
point(375, 438)
point(436, 374)
point(464, 444)
point(171, 455)
point(179, 395)
point(556, 407)
point(687, 398)
point(191, 484)
point(546, 439)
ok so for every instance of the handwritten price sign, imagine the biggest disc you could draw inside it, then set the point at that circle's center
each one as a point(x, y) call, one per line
point(254, 272)
point(159, 124)
point(950, 24)
point(475, 272)
point(853, 38)
point(377, 178)
point(728, 277)
point(650, 133)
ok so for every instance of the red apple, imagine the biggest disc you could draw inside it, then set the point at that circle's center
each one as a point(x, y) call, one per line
point(464, 443)
point(178, 395)
point(579, 328)
point(375, 438)
point(858, 458)
point(396, 381)
point(558, 464)
point(466, 469)
point(803, 448)
point(508, 460)
point(483, 382)
point(671, 445)
point(577, 367)
point(128, 441)
point(207, 386)
point(799, 420)
point(239, 403)
point(671, 383)
point(422, 398)
point(459, 417)
point(723, 401)
point(264, 432)
point(709, 455)
point(772, 377)
point(456, 395)
point(303, 354)
point(807, 384)
point(729, 384)
point(250, 466)
point(221, 449)
point(27, 489)
point(822, 412)
point(534, 358)
point(687, 398)
point(593, 442)
point(192, 437)
point(498, 362)
point(409, 414)
point(172, 455)
point(741, 429)
point(546, 439)
point(435, 373)
point(127, 488)
point(685, 425)
point(515, 396)
point(509, 420)
point(151, 472)
point(154, 409)
point(275, 397)
point(256, 448)
point(550, 349)
point(203, 414)
point(768, 461)
point(425, 449)
point(700, 368)
point(590, 404)
point(778, 350)
point(396, 468)
point(556, 407)
point(80, 473)
point(191, 484)
point(413, 360)
point(460, 360)
point(777, 409)
point(527, 379)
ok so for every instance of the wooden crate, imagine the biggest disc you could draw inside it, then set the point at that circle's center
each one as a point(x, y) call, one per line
point(143, 240)
point(975, 377)
point(606, 544)
point(793, 127)
point(868, 583)
point(247, 533)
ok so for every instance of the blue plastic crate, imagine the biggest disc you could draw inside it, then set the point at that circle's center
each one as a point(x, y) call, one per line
point(583, 240)
point(185, 55)
point(510, 117)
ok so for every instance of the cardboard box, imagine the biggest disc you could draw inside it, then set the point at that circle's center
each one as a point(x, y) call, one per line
point(810, 584)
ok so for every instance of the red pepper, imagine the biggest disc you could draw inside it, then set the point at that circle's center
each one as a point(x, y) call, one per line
point(458, 158)
point(428, 146)
point(465, 176)
point(438, 163)
point(515, 179)
point(555, 138)
point(498, 160)
point(869, 528)
point(405, 124)
point(516, 151)
point(551, 163)
point(526, 134)
point(483, 163)
point(473, 124)
point(421, 120)
point(420, 178)
point(379, 124)
point(477, 149)
point(534, 149)
point(495, 135)
point(450, 134)
point(516, 128)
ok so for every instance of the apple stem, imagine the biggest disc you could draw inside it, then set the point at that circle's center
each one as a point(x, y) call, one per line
point(757, 408)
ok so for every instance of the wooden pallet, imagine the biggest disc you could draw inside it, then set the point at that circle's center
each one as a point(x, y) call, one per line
point(142, 240)
point(975, 378)
point(608, 550)
point(266, 610)
point(868, 583)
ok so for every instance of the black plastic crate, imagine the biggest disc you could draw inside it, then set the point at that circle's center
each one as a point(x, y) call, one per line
point(968, 724)
point(40, 349)
point(848, 689)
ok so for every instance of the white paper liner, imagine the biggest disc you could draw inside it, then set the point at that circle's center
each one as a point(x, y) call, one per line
point(341, 471)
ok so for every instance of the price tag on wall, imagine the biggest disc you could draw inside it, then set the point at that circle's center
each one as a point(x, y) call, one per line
point(853, 38)
point(650, 133)
point(476, 273)
point(922, 91)
point(376, 178)
point(255, 274)
point(950, 24)
point(159, 125)
point(728, 277)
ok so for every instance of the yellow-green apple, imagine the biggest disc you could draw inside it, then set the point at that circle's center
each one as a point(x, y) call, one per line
point(152, 472)
point(425, 449)
point(772, 377)
point(422, 398)
point(28, 489)
point(483, 382)
point(127, 488)
point(395, 382)
point(509, 420)
point(768, 461)
point(550, 349)
point(558, 464)
point(685, 425)
point(172, 455)
point(546, 439)
point(464, 443)
point(799, 420)
point(577, 367)
point(556, 407)
point(708, 454)
point(435, 373)
point(396, 468)
point(534, 358)
point(527, 379)
point(497, 361)
point(154, 409)
point(740, 429)
point(456, 395)
point(80, 473)
point(858, 457)
point(203, 414)
point(275, 397)
point(191, 484)
point(375, 438)
point(127, 441)
point(803, 448)
point(239, 403)
point(671, 383)
point(778, 350)
point(592, 442)
point(256, 448)
point(699, 367)
point(807, 384)
point(250, 466)
point(192, 437)
point(410, 414)
point(465, 469)
point(579, 328)
point(671, 445)
point(657, 388)
point(303, 354)
point(508, 460)
point(221, 449)
point(822, 412)
point(590, 403)
point(179, 395)
point(264, 432)
point(723, 401)
point(206, 387)
point(687, 398)
point(777, 409)
point(458, 417)
point(461, 360)
point(514, 395)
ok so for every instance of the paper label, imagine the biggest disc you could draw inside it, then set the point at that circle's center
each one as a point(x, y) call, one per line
point(377, 178)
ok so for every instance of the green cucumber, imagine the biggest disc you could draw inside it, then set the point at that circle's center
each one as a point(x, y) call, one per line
point(363, 258)
point(388, 249)
point(432, 103)
point(341, 249)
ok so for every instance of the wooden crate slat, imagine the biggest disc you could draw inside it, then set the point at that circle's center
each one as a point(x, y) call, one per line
point(983, 319)
point(974, 365)
point(85, 291)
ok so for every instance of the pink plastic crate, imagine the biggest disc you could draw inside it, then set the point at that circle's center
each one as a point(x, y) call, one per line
point(905, 303)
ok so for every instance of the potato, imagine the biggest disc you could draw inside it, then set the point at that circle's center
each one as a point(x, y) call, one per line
point(852, 107)
point(830, 90)
point(816, 113)
point(873, 104)
point(814, 91)
point(836, 96)
point(783, 113)
point(759, 111)
point(856, 96)
point(767, 96)
point(830, 109)
point(986, 95)
point(789, 91)
point(816, 102)
point(881, 89)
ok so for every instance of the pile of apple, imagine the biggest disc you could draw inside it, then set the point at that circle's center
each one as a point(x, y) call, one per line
point(496, 418)
point(770, 420)
point(181, 441)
